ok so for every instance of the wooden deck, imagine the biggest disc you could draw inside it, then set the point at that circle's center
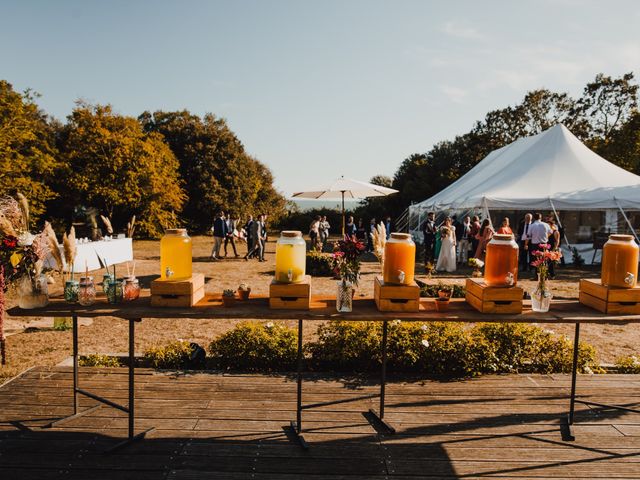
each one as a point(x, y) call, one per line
point(235, 427)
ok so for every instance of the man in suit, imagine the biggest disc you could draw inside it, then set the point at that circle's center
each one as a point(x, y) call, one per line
point(429, 237)
point(250, 238)
point(219, 234)
point(463, 239)
point(229, 238)
point(523, 237)
point(475, 232)
point(258, 233)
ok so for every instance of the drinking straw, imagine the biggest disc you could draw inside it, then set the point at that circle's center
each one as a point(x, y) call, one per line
point(86, 269)
point(133, 270)
point(128, 272)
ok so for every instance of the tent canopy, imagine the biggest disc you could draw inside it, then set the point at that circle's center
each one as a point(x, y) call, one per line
point(550, 170)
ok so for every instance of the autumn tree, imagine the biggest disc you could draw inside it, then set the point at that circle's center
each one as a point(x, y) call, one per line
point(27, 149)
point(112, 164)
point(218, 173)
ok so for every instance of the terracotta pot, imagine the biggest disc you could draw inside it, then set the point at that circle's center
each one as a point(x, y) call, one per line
point(444, 294)
point(228, 301)
point(442, 304)
point(244, 294)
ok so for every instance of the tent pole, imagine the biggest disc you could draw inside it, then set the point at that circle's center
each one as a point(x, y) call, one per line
point(342, 213)
point(566, 240)
point(633, 231)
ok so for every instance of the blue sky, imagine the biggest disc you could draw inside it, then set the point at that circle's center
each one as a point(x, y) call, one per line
point(316, 89)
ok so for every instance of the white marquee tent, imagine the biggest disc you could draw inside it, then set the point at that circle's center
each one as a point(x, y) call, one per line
point(549, 171)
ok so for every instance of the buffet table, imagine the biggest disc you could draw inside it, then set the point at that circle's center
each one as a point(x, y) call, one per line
point(322, 308)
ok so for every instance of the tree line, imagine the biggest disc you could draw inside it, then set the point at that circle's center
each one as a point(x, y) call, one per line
point(167, 168)
point(605, 117)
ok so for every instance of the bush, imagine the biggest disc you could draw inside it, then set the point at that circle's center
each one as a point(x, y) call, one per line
point(97, 360)
point(457, 291)
point(174, 355)
point(347, 345)
point(628, 364)
point(519, 347)
point(255, 346)
point(319, 264)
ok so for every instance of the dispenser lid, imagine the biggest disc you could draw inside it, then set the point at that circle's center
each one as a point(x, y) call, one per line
point(621, 238)
point(291, 233)
point(176, 231)
point(504, 237)
point(401, 236)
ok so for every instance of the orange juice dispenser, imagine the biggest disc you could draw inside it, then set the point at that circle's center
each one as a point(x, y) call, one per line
point(399, 259)
point(291, 257)
point(620, 262)
point(501, 262)
point(175, 255)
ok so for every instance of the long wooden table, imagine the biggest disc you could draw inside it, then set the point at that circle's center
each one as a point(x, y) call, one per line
point(322, 308)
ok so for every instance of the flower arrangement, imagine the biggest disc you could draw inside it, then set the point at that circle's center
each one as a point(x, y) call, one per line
point(345, 261)
point(541, 296)
point(477, 265)
point(22, 254)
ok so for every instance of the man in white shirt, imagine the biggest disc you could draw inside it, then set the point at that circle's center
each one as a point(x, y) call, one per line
point(523, 237)
point(539, 232)
point(465, 240)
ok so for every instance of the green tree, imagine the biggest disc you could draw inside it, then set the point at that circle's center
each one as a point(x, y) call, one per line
point(112, 164)
point(218, 173)
point(27, 148)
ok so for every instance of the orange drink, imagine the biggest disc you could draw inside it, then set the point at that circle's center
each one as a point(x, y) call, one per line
point(501, 262)
point(620, 262)
point(291, 257)
point(175, 255)
point(399, 259)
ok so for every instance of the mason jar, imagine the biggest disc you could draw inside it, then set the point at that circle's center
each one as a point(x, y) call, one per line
point(620, 262)
point(175, 255)
point(291, 257)
point(399, 259)
point(501, 261)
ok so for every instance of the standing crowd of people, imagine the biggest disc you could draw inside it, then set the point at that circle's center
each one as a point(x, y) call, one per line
point(452, 243)
point(229, 230)
point(320, 227)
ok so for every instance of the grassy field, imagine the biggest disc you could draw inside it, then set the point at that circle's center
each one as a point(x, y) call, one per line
point(42, 345)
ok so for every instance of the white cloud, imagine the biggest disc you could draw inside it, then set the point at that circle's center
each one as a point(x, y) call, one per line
point(461, 30)
point(455, 94)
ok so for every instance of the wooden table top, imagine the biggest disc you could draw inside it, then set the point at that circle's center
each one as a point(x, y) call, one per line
point(322, 308)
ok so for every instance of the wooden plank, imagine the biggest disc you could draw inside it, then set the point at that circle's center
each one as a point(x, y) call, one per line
point(178, 287)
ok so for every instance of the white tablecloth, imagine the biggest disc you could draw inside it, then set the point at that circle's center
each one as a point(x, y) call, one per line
point(111, 251)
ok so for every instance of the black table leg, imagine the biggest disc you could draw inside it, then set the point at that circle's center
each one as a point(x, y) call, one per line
point(379, 416)
point(131, 437)
point(296, 426)
point(574, 373)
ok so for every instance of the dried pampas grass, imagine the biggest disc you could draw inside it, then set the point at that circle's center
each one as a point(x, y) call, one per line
point(23, 203)
point(131, 227)
point(54, 247)
point(69, 247)
point(10, 211)
point(379, 235)
point(6, 228)
point(107, 224)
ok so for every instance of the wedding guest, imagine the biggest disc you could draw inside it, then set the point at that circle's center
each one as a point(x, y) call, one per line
point(505, 229)
point(484, 237)
point(258, 233)
point(351, 229)
point(232, 233)
point(219, 234)
point(324, 230)
point(554, 244)
point(250, 238)
point(361, 232)
point(314, 233)
point(539, 232)
point(429, 237)
point(524, 237)
point(372, 228)
point(463, 238)
point(387, 226)
point(475, 230)
point(447, 257)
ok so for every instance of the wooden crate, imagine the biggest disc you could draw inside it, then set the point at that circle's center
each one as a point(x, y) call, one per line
point(290, 296)
point(495, 300)
point(623, 301)
point(396, 298)
point(177, 293)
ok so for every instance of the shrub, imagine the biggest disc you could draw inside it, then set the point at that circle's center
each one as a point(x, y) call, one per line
point(347, 345)
point(319, 264)
point(174, 355)
point(628, 364)
point(97, 360)
point(255, 346)
point(431, 290)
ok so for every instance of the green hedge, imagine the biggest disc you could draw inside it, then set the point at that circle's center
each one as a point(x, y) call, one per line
point(440, 348)
point(319, 264)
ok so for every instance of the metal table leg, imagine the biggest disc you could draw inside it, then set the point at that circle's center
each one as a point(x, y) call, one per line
point(574, 373)
point(379, 417)
point(77, 391)
point(296, 426)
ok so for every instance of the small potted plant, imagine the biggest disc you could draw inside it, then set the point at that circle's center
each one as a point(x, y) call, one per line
point(477, 265)
point(229, 298)
point(244, 290)
point(443, 298)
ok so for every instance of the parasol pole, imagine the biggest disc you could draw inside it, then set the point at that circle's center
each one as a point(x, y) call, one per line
point(342, 192)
